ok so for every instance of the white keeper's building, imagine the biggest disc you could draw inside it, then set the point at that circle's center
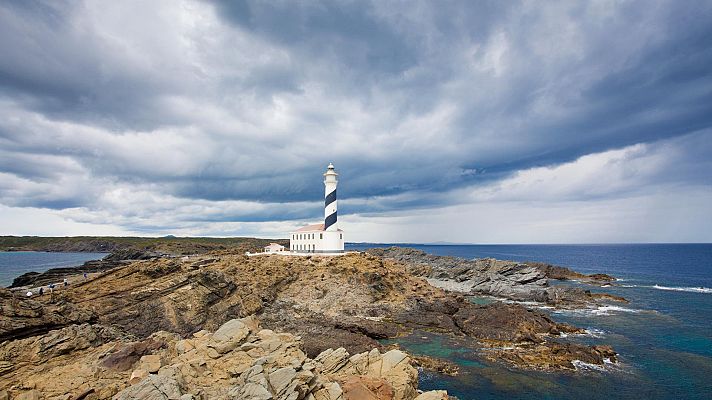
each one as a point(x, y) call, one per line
point(325, 237)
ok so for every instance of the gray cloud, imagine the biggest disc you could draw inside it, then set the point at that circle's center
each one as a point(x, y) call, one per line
point(235, 107)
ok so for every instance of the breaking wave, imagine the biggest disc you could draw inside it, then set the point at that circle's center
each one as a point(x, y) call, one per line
point(601, 311)
point(683, 289)
point(689, 289)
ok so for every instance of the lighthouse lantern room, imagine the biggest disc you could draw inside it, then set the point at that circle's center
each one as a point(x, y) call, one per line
point(325, 237)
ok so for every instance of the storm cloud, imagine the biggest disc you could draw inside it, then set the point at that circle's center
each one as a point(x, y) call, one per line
point(218, 118)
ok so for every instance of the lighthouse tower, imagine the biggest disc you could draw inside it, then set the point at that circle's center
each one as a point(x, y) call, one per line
point(326, 237)
point(330, 183)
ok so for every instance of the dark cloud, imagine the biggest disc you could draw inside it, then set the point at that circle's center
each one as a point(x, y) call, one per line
point(349, 32)
point(239, 105)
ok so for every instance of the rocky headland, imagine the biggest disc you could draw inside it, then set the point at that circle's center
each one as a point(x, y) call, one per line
point(144, 325)
point(529, 281)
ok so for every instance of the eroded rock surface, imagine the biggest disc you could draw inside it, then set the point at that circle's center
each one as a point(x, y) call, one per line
point(258, 363)
point(21, 316)
point(507, 279)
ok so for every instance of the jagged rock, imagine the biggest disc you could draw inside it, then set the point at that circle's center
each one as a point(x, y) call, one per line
point(332, 360)
point(151, 363)
point(153, 387)
point(127, 354)
point(281, 378)
point(433, 395)
point(553, 355)
point(391, 359)
point(508, 279)
point(41, 349)
point(282, 372)
point(184, 346)
point(253, 390)
point(137, 376)
point(366, 388)
point(506, 322)
point(393, 367)
point(22, 317)
point(31, 395)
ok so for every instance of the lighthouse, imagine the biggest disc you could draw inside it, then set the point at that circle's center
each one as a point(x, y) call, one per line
point(323, 237)
point(330, 183)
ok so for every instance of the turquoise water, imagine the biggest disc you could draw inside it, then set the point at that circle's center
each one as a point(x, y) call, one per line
point(664, 336)
point(16, 263)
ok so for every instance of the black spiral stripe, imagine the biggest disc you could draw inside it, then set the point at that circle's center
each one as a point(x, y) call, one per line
point(330, 198)
point(330, 220)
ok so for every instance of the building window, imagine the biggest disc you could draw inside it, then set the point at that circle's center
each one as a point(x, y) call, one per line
point(321, 236)
point(341, 236)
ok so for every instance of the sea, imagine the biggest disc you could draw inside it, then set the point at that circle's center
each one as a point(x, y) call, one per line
point(16, 263)
point(663, 336)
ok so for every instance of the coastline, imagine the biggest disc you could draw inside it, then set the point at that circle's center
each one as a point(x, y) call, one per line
point(359, 302)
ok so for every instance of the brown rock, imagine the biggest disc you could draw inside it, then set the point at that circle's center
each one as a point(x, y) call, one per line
point(152, 387)
point(151, 363)
point(137, 376)
point(31, 395)
point(505, 322)
point(433, 395)
point(366, 388)
point(126, 355)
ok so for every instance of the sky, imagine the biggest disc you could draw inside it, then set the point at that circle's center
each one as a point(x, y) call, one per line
point(447, 121)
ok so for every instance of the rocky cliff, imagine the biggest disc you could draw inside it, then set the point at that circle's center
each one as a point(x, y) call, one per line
point(345, 302)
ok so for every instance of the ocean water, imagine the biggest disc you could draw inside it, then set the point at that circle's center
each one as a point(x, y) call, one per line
point(663, 336)
point(16, 263)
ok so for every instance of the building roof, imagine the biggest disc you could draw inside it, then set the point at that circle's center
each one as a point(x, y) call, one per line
point(311, 228)
point(274, 244)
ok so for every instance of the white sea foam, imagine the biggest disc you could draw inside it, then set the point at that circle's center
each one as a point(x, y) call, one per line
point(597, 333)
point(499, 348)
point(683, 289)
point(690, 289)
point(580, 365)
point(608, 310)
point(600, 311)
